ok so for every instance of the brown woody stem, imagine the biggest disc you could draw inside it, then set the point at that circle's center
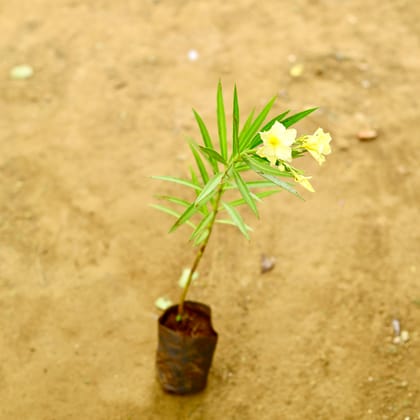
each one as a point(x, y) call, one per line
point(200, 251)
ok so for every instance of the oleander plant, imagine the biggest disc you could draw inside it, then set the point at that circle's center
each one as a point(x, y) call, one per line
point(257, 161)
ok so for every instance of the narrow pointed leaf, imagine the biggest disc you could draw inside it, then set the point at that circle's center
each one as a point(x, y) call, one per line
point(243, 189)
point(232, 223)
point(201, 238)
point(282, 184)
point(209, 188)
point(297, 117)
point(201, 226)
point(174, 200)
point(194, 177)
point(248, 136)
point(200, 165)
point(235, 128)
point(171, 212)
point(237, 219)
point(262, 166)
point(259, 184)
point(180, 181)
point(263, 194)
point(212, 154)
point(206, 138)
point(184, 217)
point(257, 138)
point(221, 121)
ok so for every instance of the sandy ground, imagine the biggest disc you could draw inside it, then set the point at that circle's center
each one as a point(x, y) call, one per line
point(83, 257)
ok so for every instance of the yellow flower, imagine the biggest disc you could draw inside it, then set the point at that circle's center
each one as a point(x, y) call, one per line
point(304, 181)
point(318, 145)
point(276, 143)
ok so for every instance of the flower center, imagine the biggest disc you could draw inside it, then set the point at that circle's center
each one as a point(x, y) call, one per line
point(273, 141)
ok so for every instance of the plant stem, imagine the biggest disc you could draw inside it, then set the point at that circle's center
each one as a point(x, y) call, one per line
point(201, 250)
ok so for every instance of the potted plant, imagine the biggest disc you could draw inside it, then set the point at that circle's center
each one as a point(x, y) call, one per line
point(187, 339)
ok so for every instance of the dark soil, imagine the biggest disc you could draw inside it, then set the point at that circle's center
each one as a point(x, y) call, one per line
point(194, 323)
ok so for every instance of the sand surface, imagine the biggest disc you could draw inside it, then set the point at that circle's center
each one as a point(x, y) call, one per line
point(83, 257)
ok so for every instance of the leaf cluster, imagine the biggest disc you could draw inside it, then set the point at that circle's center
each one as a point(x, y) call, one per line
point(222, 168)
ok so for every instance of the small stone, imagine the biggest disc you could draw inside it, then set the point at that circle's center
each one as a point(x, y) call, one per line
point(370, 379)
point(367, 135)
point(397, 340)
point(396, 327)
point(404, 336)
point(21, 72)
point(192, 55)
point(297, 70)
point(267, 263)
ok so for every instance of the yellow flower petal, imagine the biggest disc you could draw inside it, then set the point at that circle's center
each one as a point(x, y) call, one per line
point(304, 181)
point(318, 145)
point(276, 143)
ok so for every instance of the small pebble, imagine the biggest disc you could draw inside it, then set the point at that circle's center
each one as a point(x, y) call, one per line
point(192, 55)
point(367, 135)
point(397, 340)
point(21, 72)
point(404, 336)
point(267, 263)
point(296, 70)
point(396, 326)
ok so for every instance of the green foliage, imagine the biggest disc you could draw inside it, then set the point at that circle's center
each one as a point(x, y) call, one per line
point(227, 168)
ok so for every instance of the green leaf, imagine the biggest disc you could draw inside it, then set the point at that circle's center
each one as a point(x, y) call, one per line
point(201, 226)
point(206, 138)
point(212, 154)
point(246, 125)
point(249, 134)
point(235, 128)
point(257, 138)
point(259, 184)
point(181, 202)
point(203, 171)
point(240, 183)
point(174, 200)
point(263, 194)
point(221, 121)
point(184, 217)
point(171, 212)
point(209, 189)
point(282, 184)
point(200, 238)
point(297, 117)
point(237, 219)
point(260, 165)
point(232, 223)
point(181, 181)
